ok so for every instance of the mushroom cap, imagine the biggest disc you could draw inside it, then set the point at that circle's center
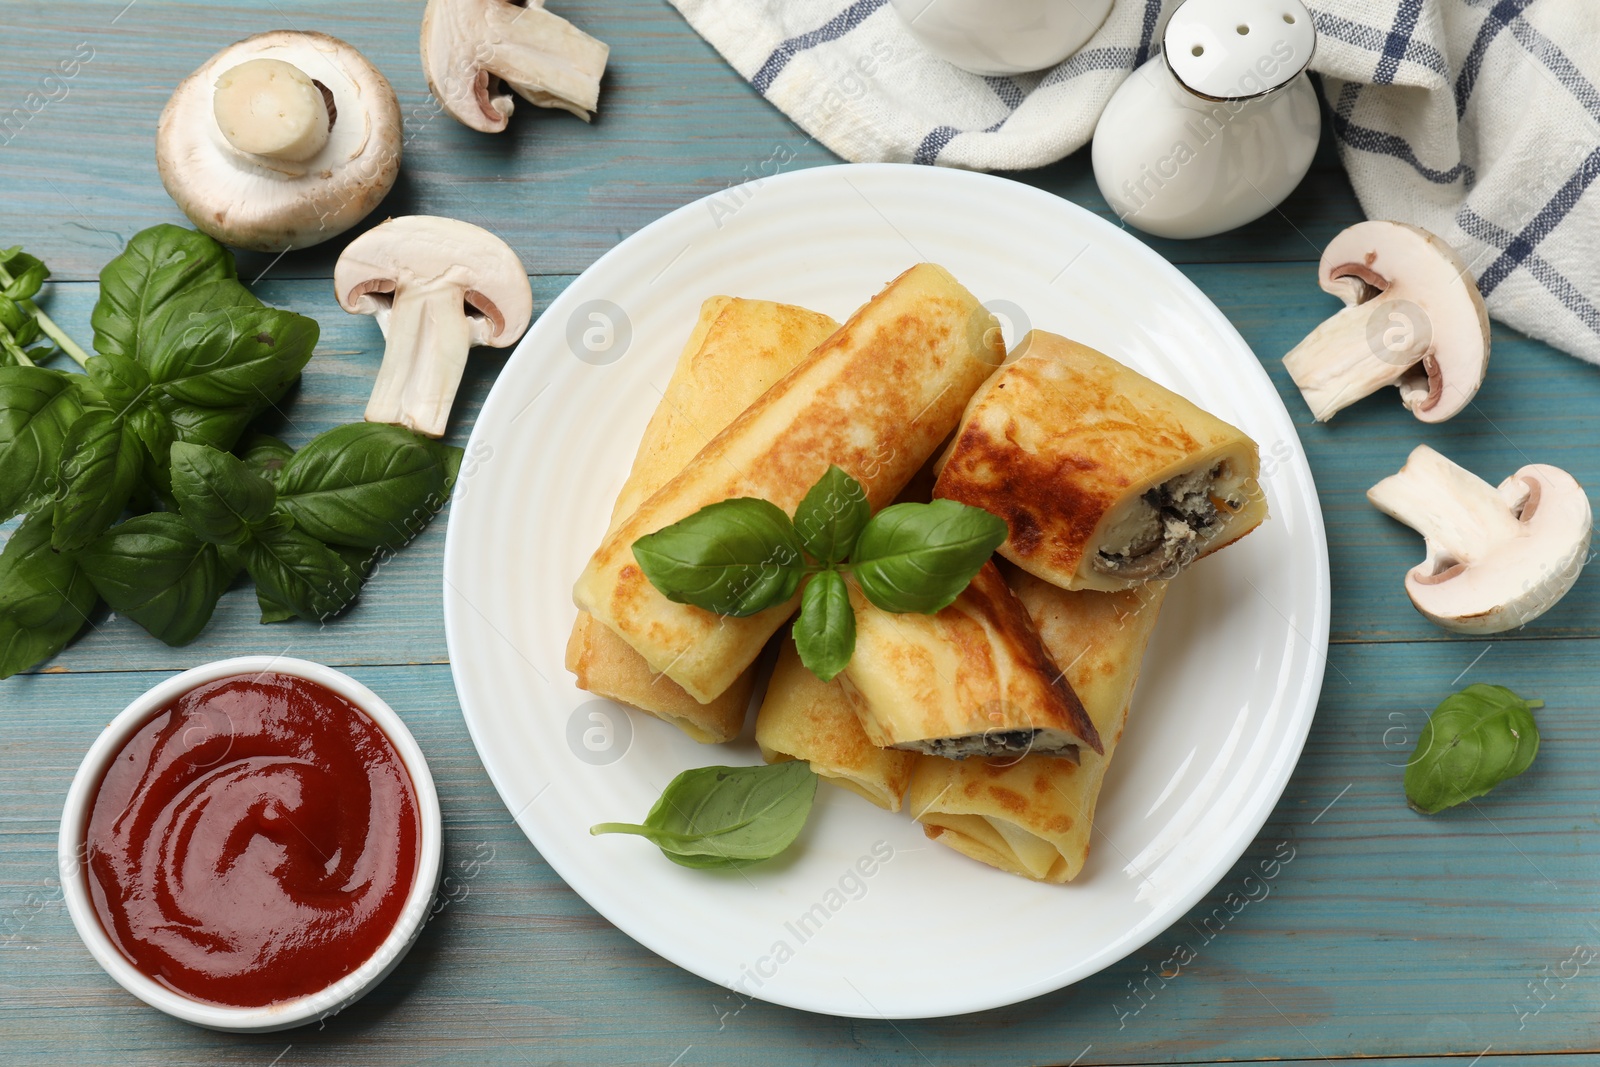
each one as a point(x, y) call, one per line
point(472, 50)
point(428, 250)
point(272, 205)
point(1521, 578)
point(1407, 263)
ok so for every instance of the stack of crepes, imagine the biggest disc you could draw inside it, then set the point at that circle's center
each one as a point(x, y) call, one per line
point(993, 720)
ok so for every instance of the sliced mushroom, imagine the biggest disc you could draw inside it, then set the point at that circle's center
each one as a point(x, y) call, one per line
point(1413, 318)
point(1497, 557)
point(473, 50)
point(280, 141)
point(437, 287)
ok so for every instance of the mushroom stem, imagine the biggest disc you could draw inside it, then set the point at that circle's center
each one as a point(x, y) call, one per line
point(427, 338)
point(545, 59)
point(1359, 351)
point(1462, 518)
point(272, 110)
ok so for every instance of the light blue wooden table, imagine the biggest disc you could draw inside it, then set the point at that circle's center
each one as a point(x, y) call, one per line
point(1388, 935)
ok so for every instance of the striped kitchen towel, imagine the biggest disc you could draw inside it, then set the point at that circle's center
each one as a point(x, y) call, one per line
point(1476, 119)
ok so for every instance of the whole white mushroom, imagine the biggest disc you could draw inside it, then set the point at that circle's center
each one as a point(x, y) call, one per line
point(280, 141)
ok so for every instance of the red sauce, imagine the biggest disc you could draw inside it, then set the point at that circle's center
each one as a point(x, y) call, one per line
point(254, 842)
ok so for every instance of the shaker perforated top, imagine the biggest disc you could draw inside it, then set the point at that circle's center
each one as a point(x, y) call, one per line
point(1236, 49)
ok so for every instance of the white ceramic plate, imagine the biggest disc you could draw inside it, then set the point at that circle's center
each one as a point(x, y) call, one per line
point(1230, 682)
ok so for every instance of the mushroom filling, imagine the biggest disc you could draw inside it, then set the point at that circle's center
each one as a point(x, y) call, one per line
point(996, 743)
point(1168, 526)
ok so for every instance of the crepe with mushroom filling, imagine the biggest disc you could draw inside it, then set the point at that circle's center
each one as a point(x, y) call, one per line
point(1105, 478)
point(971, 680)
point(803, 717)
point(1033, 815)
point(737, 350)
point(875, 399)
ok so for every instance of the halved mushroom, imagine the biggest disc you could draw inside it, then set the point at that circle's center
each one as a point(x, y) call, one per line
point(472, 50)
point(437, 287)
point(280, 141)
point(1497, 557)
point(1413, 318)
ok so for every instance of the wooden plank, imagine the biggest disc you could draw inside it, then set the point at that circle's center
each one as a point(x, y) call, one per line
point(1378, 931)
point(77, 163)
point(1537, 406)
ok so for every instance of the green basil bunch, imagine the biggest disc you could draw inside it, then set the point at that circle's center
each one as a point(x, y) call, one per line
point(1474, 740)
point(742, 556)
point(186, 359)
point(723, 818)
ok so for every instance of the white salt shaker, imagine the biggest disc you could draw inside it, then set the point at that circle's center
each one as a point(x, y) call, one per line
point(1218, 129)
point(1002, 36)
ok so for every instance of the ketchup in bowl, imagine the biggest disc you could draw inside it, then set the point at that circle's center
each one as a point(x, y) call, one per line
point(254, 842)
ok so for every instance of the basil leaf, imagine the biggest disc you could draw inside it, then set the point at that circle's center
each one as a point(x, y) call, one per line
point(271, 610)
point(44, 598)
point(122, 382)
point(27, 272)
point(154, 431)
point(158, 264)
point(825, 632)
point(361, 560)
point(155, 570)
point(220, 428)
point(294, 570)
point(735, 557)
point(367, 485)
point(232, 356)
point(191, 304)
point(1474, 740)
point(727, 817)
point(919, 557)
point(219, 498)
point(100, 465)
point(37, 409)
point(265, 455)
point(831, 516)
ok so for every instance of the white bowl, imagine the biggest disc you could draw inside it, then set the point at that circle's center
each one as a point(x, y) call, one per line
point(288, 1013)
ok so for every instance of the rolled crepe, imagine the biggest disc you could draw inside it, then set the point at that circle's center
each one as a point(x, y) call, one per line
point(971, 680)
point(1032, 816)
point(737, 350)
point(876, 398)
point(1105, 478)
point(803, 717)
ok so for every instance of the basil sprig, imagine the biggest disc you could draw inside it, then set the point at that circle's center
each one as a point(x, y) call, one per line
point(722, 818)
point(186, 359)
point(742, 556)
point(1474, 740)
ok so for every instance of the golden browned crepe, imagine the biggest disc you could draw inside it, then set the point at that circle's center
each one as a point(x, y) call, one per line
point(1033, 816)
point(1105, 478)
point(803, 717)
point(876, 398)
point(971, 680)
point(737, 350)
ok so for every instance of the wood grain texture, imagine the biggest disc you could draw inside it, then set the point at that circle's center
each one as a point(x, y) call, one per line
point(675, 123)
point(1352, 927)
point(1385, 934)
